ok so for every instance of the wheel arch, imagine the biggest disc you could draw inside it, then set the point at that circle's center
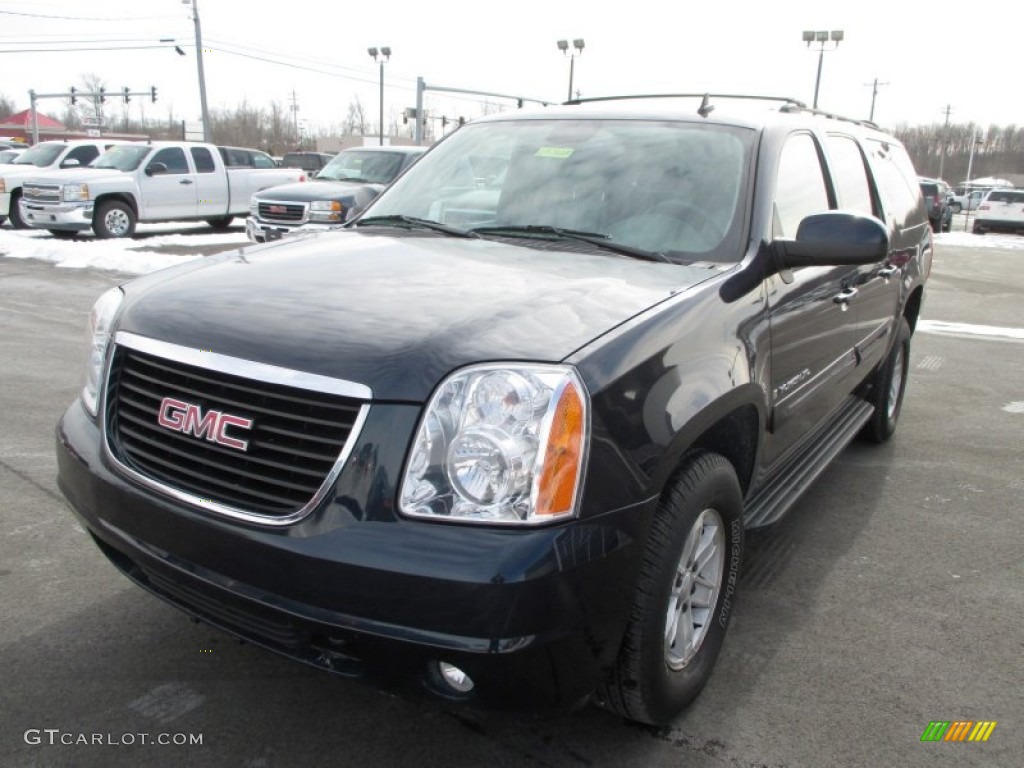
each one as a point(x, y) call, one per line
point(124, 197)
point(912, 308)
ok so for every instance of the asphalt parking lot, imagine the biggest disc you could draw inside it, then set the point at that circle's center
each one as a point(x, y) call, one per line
point(892, 595)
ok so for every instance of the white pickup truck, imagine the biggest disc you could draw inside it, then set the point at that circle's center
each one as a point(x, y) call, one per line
point(152, 182)
point(45, 156)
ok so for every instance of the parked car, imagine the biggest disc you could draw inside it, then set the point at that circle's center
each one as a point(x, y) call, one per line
point(340, 190)
point(512, 461)
point(45, 156)
point(310, 162)
point(967, 199)
point(936, 196)
point(242, 157)
point(8, 155)
point(156, 181)
point(1002, 210)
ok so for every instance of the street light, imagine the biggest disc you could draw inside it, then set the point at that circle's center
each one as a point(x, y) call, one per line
point(384, 54)
point(207, 133)
point(821, 37)
point(563, 46)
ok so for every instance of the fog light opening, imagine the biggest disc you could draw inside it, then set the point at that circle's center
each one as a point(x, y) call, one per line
point(455, 678)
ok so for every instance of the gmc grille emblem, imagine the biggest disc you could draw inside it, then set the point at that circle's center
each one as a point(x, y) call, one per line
point(277, 209)
point(190, 420)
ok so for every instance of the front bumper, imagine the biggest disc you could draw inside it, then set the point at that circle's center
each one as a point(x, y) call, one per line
point(532, 616)
point(74, 217)
point(262, 232)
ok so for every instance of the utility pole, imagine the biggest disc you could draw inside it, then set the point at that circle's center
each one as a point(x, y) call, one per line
point(945, 140)
point(207, 133)
point(295, 118)
point(874, 94)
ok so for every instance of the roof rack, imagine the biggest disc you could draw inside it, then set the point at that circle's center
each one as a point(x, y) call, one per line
point(823, 113)
point(705, 97)
point(789, 104)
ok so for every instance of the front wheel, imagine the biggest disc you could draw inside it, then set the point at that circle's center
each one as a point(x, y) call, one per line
point(684, 595)
point(15, 212)
point(888, 388)
point(223, 222)
point(114, 218)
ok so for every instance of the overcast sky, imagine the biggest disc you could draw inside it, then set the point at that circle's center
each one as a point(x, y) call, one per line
point(929, 55)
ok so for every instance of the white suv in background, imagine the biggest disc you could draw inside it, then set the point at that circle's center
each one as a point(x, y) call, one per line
point(1002, 210)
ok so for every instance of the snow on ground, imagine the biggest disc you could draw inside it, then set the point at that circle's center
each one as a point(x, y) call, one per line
point(968, 240)
point(151, 251)
point(164, 245)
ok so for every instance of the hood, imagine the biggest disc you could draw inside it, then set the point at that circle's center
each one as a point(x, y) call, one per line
point(84, 175)
point(314, 189)
point(397, 313)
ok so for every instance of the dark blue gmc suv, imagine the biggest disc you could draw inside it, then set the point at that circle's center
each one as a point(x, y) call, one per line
point(499, 438)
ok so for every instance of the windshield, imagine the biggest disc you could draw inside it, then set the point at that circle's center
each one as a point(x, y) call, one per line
point(377, 167)
point(40, 155)
point(123, 158)
point(665, 187)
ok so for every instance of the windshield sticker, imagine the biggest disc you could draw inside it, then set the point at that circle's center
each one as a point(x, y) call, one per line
point(561, 153)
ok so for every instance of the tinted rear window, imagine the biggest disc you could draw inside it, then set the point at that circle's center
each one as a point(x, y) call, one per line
point(1006, 196)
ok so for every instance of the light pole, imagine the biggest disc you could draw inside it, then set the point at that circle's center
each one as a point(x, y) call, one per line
point(207, 133)
point(384, 54)
point(563, 46)
point(821, 37)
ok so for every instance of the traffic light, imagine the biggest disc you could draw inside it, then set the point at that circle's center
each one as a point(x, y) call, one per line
point(74, 96)
point(127, 96)
point(103, 95)
point(152, 93)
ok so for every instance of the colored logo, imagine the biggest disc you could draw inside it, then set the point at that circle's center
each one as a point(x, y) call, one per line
point(212, 425)
point(958, 730)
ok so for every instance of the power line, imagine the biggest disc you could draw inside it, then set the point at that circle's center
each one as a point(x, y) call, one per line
point(87, 18)
point(106, 48)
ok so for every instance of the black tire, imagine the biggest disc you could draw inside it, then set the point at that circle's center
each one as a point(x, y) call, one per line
point(935, 225)
point(977, 230)
point(956, 207)
point(2, 220)
point(113, 218)
point(14, 214)
point(221, 223)
point(63, 234)
point(886, 391)
point(654, 678)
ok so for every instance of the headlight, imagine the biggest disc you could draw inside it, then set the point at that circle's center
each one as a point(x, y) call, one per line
point(73, 192)
point(100, 321)
point(500, 444)
point(254, 206)
point(326, 210)
point(3, 186)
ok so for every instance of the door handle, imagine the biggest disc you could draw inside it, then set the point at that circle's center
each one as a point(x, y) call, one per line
point(888, 271)
point(844, 296)
point(185, 181)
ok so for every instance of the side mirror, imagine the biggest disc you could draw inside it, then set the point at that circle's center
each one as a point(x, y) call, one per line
point(155, 169)
point(71, 162)
point(834, 238)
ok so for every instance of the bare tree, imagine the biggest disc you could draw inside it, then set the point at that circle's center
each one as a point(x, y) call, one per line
point(355, 122)
point(7, 107)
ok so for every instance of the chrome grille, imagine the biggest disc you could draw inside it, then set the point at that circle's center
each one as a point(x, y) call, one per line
point(293, 448)
point(41, 193)
point(286, 213)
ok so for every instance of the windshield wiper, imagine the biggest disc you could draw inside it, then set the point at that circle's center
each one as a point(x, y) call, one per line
point(412, 222)
point(593, 238)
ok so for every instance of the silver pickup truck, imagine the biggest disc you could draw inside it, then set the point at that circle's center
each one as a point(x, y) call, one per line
point(157, 181)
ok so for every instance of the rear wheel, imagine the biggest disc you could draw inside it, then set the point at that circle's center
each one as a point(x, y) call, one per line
point(888, 388)
point(222, 222)
point(684, 595)
point(15, 213)
point(113, 218)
